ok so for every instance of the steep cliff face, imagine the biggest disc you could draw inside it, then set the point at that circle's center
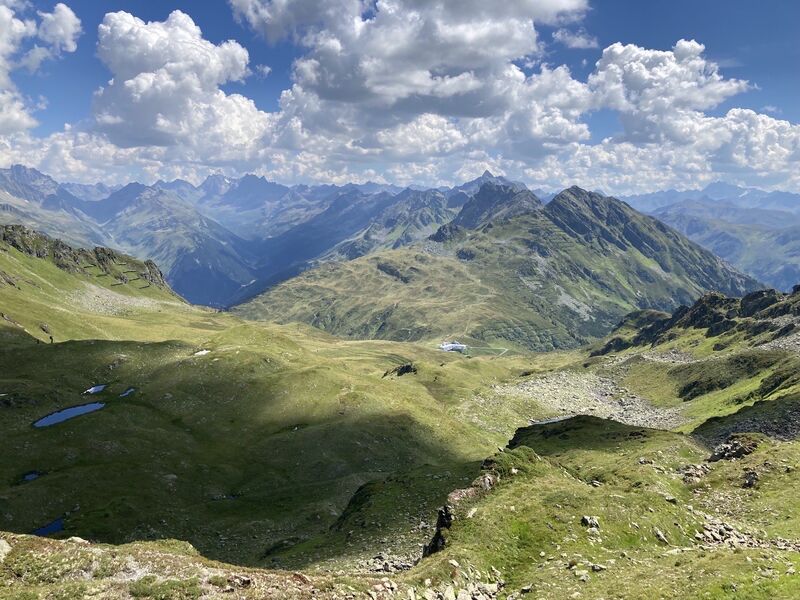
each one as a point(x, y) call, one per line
point(495, 202)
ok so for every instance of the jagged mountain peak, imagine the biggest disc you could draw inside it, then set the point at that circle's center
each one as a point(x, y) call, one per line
point(25, 182)
point(215, 185)
point(572, 269)
point(496, 200)
point(471, 187)
point(252, 192)
point(131, 188)
point(216, 179)
point(19, 170)
point(582, 208)
point(577, 194)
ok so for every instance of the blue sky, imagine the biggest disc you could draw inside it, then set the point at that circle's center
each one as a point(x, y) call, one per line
point(415, 104)
point(73, 79)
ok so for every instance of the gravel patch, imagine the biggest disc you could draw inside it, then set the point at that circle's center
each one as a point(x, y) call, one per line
point(568, 393)
point(100, 300)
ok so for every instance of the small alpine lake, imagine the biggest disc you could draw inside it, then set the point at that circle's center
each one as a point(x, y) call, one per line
point(50, 528)
point(68, 413)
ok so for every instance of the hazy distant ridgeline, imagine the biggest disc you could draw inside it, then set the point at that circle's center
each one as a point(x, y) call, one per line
point(227, 240)
point(757, 231)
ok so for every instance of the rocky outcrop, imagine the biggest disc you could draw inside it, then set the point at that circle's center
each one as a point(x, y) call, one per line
point(79, 260)
point(392, 271)
point(399, 371)
point(716, 532)
point(735, 447)
point(483, 484)
point(448, 232)
point(757, 313)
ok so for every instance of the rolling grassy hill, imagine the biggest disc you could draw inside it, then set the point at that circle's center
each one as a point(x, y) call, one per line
point(535, 277)
point(243, 438)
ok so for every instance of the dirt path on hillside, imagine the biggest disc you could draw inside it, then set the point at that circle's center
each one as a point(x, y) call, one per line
point(570, 393)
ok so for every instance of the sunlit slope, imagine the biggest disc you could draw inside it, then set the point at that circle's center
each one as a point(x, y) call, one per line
point(730, 365)
point(48, 288)
point(550, 277)
point(588, 508)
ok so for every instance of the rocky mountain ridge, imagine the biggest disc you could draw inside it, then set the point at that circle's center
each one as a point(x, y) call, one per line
point(227, 239)
point(106, 261)
point(541, 277)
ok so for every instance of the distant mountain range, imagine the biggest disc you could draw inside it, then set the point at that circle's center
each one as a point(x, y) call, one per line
point(738, 196)
point(508, 270)
point(204, 261)
point(227, 240)
point(757, 231)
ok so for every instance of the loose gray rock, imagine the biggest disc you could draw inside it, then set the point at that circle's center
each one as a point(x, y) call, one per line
point(735, 447)
point(750, 479)
point(5, 549)
point(590, 521)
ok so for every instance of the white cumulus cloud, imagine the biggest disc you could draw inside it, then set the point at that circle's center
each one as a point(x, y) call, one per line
point(656, 91)
point(59, 29)
point(409, 91)
point(165, 89)
point(578, 39)
point(27, 41)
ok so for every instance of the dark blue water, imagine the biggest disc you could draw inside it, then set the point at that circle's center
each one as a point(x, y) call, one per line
point(68, 413)
point(31, 475)
point(51, 528)
point(127, 392)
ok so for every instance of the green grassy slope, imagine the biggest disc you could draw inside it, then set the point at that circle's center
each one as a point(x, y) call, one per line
point(281, 446)
point(246, 450)
point(730, 364)
point(549, 278)
point(529, 526)
point(46, 288)
point(672, 522)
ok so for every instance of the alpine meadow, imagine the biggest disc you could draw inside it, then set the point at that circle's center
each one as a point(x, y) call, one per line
point(399, 300)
